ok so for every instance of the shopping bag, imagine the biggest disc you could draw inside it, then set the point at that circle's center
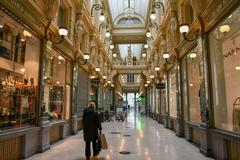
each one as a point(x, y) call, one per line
point(104, 144)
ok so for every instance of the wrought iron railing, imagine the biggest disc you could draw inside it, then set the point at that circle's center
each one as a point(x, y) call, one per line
point(134, 63)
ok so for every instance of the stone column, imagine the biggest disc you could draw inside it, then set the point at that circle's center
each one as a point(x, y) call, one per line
point(44, 124)
point(179, 119)
point(74, 125)
point(166, 113)
point(205, 124)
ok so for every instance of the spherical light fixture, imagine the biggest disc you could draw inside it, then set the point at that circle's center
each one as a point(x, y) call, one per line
point(107, 34)
point(98, 69)
point(153, 16)
point(237, 68)
point(146, 46)
point(184, 28)
point(152, 76)
point(102, 17)
point(144, 55)
point(148, 82)
point(108, 82)
point(63, 31)
point(146, 85)
point(104, 77)
point(23, 70)
point(114, 55)
point(224, 28)
point(148, 34)
point(111, 46)
point(157, 68)
point(26, 33)
point(166, 55)
point(86, 56)
point(193, 55)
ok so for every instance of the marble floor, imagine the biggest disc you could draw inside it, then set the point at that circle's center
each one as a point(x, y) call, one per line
point(144, 138)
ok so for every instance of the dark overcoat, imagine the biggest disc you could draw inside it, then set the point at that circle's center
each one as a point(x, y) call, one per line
point(91, 124)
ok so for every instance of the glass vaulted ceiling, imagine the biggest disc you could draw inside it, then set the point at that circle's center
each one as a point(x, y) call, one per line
point(118, 7)
point(135, 50)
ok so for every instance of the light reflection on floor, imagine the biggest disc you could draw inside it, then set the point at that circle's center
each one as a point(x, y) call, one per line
point(148, 141)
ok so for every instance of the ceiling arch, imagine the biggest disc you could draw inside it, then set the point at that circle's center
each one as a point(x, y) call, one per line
point(118, 7)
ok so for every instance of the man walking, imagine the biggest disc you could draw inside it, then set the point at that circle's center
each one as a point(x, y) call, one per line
point(91, 125)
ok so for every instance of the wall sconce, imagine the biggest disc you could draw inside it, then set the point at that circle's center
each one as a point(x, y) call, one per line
point(108, 34)
point(107, 37)
point(86, 56)
point(111, 46)
point(102, 26)
point(156, 5)
point(144, 55)
point(152, 76)
point(50, 36)
point(102, 17)
point(146, 46)
point(184, 28)
point(166, 56)
point(97, 69)
point(114, 55)
point(157, 68)
point(98, 7)
point(153, 25)
point(148, 34)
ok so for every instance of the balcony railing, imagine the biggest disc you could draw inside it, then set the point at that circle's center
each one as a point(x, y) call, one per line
point(129, 64)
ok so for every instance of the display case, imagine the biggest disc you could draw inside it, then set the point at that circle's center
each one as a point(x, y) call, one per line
point(19, 69)
point(57, 86)
point(17, 100)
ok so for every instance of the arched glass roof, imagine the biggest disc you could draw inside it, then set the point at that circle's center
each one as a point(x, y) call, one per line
point(119, 7)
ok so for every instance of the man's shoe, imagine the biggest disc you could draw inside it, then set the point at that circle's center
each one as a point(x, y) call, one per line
point(87, 158)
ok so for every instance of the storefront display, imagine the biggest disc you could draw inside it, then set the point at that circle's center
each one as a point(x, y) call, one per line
point(57, 86)
point(19, 59)
point(194, 63)
point(184, 88)
point(172, 80)
point(225, 66)
point(163, 99)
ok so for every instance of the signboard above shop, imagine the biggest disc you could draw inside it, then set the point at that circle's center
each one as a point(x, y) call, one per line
point(161, 86)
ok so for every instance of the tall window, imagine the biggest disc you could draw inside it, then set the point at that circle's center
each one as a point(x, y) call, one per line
point(194, 64)
point(172, 92)
point(19, 74)
point(225, 66)
point(57, 86)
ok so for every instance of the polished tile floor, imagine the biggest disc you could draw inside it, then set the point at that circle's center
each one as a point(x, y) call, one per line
point(146, 140)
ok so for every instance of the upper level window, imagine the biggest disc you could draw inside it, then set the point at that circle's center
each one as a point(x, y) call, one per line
point(60, 17)
point(129, 21)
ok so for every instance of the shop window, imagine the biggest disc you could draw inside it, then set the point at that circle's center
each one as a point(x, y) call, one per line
point(19, 69)
point(194, 62)
point(172, 82)
point(57, 84)
point(184, 88)
point(225, 66)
